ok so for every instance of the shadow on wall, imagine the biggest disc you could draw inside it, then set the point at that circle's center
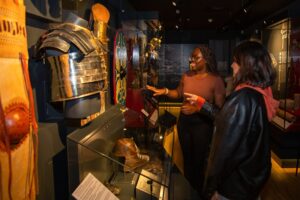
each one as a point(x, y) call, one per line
point(53, 6)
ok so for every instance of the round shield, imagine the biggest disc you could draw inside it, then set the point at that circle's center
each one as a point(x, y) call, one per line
point(120, 69)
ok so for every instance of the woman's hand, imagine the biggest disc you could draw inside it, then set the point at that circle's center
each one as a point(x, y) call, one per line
point(188, 108)
point(195, 100)
point(192, 98)
point(215, 196)
point(157, 92)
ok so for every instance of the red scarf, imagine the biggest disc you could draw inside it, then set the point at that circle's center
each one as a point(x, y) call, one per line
point(270, 102)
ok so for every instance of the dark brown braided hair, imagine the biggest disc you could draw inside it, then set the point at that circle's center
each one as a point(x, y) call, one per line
point(210, 58)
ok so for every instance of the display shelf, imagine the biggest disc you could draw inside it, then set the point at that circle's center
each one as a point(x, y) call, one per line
point(127, 164)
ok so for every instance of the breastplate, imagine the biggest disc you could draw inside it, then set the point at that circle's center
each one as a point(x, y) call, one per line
point(77, 61)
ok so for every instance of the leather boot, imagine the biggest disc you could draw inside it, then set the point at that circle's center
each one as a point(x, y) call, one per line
point(126, 147)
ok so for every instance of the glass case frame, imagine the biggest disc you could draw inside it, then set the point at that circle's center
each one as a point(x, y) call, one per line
point(91, 149)
point(282, 40)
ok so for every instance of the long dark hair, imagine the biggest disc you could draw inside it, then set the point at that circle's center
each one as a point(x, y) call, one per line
point(209, 56)
point(255, 65)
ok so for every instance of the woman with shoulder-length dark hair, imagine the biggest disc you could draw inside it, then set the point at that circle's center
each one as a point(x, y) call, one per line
point(255, 65)
point(239, 161)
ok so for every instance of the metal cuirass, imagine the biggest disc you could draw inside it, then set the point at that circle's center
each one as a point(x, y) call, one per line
point(77, 60)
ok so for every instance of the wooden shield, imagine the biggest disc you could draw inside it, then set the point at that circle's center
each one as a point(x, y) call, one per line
point(120, 69)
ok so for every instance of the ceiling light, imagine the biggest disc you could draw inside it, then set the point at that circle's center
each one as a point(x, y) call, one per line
point(210, 20)
point(245, 10)
point(173, 3)
point(176, 26)
point(122, 10)
point(265, 22)
point(177, 11)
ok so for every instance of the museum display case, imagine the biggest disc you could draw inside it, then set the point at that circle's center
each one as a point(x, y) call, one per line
point(131, 164)
point(282, 39)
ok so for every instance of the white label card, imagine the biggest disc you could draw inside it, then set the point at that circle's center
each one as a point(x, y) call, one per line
point(92, 189)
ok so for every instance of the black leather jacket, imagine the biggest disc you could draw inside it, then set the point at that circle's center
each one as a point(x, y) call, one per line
point(239, 163)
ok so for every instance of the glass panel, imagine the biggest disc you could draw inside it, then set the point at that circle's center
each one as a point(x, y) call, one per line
point(129, 164)
point(282, 39)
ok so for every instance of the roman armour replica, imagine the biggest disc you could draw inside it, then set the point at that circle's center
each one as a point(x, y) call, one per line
point(18, 127)
point(77, 59)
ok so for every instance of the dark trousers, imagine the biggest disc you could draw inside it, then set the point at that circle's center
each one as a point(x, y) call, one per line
point(195, 133)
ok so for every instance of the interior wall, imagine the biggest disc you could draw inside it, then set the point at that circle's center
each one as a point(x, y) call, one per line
point(198, 36)
point(174, 60)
